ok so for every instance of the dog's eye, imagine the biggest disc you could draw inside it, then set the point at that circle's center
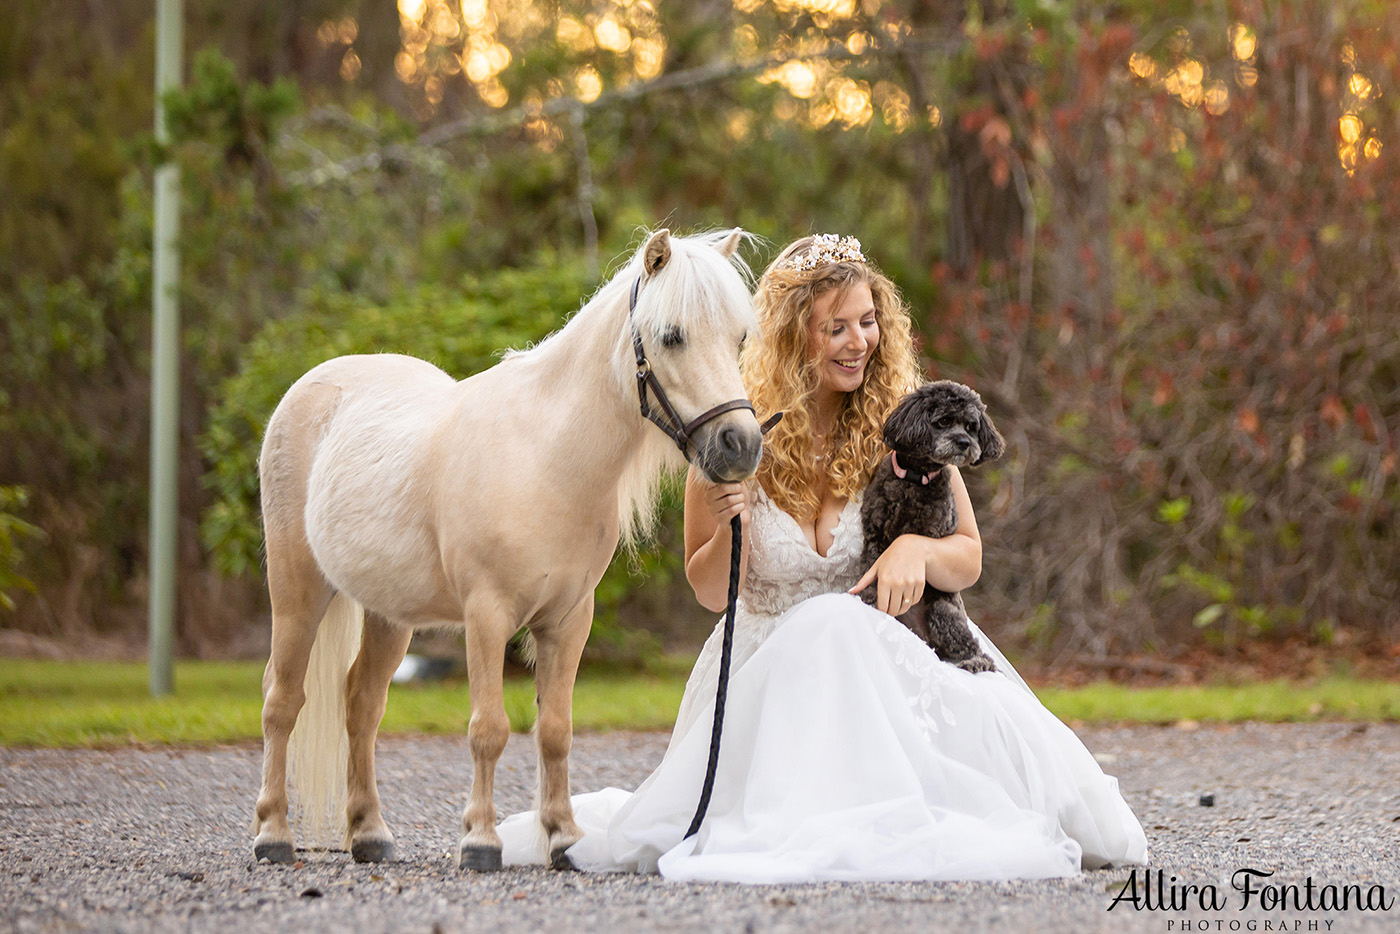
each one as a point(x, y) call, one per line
point(972, 427)
point(672, 337)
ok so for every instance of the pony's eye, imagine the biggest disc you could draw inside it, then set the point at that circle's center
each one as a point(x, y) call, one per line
point(673, 337)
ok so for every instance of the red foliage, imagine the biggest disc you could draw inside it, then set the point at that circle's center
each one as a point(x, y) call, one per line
point(1223, 341)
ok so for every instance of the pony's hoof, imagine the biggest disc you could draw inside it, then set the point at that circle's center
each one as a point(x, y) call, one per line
point(559, 859)
point(479, 858)
point(274, 851)
point(372, 851)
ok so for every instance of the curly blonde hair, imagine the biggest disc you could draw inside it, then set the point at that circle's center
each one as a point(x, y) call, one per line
point(780, 375)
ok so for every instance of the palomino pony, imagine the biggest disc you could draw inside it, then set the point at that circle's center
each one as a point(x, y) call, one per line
point(396, 498)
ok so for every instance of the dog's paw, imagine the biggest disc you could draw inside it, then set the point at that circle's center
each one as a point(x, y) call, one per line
point(977, 664)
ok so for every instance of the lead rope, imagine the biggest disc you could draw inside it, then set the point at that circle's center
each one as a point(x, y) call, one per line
point(725, 653)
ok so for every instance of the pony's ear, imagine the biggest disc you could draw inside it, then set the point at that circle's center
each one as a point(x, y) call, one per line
point(989, 439)
point(731, 242)
point(657, 253)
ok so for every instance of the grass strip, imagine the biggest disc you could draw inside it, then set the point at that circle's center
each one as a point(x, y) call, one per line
point(95, 704)
point(1277, 701)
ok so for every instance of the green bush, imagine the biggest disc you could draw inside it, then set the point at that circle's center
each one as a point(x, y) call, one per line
point(12, 529)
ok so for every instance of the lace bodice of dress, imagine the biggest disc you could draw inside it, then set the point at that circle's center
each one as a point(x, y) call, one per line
point(784, 569)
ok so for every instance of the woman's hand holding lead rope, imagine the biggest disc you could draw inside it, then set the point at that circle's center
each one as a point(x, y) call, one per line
point(724, 501)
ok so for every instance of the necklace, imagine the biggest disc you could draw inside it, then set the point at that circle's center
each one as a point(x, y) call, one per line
point(819, 441)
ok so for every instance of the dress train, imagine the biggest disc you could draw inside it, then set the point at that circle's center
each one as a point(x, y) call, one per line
point(850, 752)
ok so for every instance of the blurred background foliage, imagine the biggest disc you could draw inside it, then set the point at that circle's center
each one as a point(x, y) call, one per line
point(1157, 236)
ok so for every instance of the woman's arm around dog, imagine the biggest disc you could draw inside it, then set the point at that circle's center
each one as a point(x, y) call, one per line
point(709, 539)
point(911, 562)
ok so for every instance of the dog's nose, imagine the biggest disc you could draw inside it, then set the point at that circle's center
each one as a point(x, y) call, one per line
point(963, 443)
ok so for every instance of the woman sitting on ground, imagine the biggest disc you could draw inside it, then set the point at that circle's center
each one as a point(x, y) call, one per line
point(850, 751)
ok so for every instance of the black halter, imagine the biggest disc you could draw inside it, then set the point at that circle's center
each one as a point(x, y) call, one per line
point(667, 418)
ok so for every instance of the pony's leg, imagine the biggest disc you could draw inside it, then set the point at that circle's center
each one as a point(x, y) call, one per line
point(382, 647)
point(557, 653)
point(300, 596)
point(488, 631)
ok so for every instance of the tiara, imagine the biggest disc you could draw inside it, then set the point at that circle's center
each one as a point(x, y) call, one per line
point(825, 248)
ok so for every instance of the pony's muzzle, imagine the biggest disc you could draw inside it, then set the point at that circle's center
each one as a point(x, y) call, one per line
point(729, 448)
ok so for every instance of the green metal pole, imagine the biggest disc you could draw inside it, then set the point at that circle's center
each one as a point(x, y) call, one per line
point(165, 365)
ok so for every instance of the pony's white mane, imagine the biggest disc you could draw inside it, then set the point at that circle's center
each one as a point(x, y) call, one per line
point(699, 290)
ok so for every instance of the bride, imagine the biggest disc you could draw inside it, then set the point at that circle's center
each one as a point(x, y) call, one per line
point(849, 752)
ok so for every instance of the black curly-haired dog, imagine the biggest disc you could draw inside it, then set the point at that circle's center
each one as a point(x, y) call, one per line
point(938, 424)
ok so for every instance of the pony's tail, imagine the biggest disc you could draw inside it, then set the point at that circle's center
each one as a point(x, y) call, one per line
point(319, 749)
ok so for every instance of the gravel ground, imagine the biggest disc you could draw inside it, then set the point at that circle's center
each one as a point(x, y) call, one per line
point(157, 840)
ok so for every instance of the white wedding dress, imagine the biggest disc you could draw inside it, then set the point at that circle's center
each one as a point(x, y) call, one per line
point(850, 752)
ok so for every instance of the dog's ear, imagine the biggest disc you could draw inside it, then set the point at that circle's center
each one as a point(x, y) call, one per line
point(907, 424)
point(989, 439)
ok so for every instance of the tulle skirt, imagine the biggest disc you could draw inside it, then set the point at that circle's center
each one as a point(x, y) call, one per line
point(850, 752)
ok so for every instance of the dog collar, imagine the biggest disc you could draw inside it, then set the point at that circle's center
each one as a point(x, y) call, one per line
point(902, 472)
